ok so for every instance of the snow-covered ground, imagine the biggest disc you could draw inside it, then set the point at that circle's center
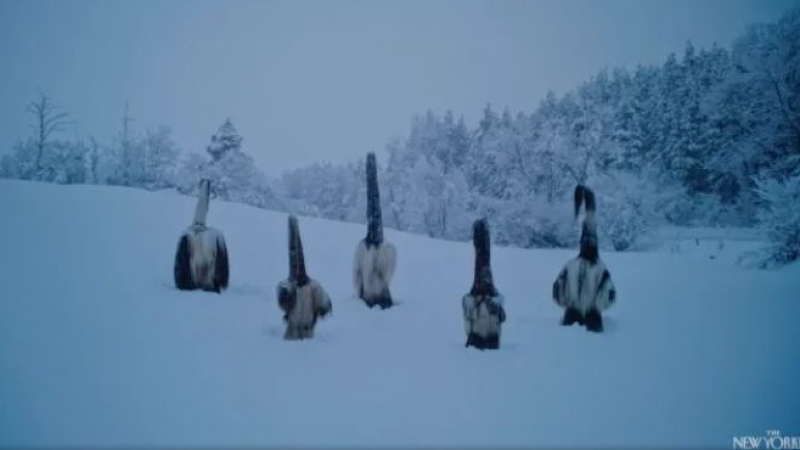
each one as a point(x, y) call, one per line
point(98, 349)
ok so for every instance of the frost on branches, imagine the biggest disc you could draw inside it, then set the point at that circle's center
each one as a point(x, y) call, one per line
point(234, 175)
point(780, 218)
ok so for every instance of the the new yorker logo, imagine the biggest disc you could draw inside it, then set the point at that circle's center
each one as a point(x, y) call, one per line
point(772, 440)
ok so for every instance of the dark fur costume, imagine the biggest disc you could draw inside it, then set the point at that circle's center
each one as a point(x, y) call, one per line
point(483, 305)
point(201, 259)
point(584, 287)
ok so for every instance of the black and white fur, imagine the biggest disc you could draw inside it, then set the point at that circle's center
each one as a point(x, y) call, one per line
point(375, 259)
point(584, 287)
point(302, 299)
point(201, 260)
point(483, 305)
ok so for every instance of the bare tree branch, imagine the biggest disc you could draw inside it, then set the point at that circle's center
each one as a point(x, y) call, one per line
point(46, 122)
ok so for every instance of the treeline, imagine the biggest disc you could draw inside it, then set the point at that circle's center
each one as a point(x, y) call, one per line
point(148, 159)
point(710, 137)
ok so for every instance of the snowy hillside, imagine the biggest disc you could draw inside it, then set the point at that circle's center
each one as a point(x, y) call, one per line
point(98, 349)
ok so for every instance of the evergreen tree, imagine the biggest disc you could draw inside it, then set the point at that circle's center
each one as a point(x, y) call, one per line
point(225, 141)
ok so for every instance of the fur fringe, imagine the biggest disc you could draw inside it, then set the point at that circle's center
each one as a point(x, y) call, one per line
point(302, 299)
point(373, 269)
point(182, 269)
point(584, 287)
point(483, 306)
point(201, 259)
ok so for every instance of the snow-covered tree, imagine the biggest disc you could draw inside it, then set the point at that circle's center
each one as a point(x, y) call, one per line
point(126, 165)
point(21, 162)
point(234, 175)
point(47, 121)
point(39, 156)
point(190, 172)
point(709, 137)
point(780, 218)
point(160, 159)
point(427, 188)
point(225, 141)
point(628, 207)
point(327, 190)
point(66, 162)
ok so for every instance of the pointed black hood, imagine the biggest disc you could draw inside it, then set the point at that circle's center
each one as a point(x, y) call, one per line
point(374, 219)
point(585, 196)
point(297, 264)
point(483, 283)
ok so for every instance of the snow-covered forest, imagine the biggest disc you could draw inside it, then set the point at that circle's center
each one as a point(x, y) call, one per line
point(710, 137)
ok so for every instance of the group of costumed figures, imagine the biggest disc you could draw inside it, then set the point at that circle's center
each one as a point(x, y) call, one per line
point(583, 288)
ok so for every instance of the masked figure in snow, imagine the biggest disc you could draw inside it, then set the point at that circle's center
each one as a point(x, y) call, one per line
point(375, 259)
point(483, 306)
point(584, 287)
point(201, 261)
point(301, 298)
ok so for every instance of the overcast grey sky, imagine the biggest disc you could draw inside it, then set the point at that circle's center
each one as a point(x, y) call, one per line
point(329, 80)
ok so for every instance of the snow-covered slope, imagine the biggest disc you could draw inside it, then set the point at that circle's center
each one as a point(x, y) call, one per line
point(98, 349)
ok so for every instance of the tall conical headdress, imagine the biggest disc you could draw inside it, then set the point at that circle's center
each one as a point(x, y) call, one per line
point(483, 283)
point(374, 219)
point(297, 265)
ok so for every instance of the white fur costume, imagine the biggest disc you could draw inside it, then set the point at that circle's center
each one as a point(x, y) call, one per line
point(201, 261)
point(310, 302)
point(302, 299)
point(375, 259)
point(373, 269)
